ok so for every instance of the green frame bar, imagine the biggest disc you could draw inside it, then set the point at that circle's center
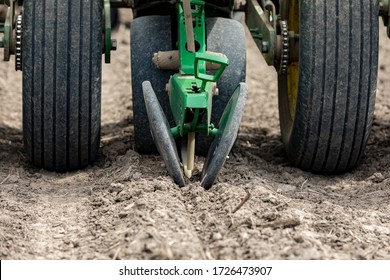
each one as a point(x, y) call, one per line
point(192, 89)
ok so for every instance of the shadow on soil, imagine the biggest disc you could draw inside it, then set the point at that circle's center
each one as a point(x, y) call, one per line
point(259, 149)
point(367, 184)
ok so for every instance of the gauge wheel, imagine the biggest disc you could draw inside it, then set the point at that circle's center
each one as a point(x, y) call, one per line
point(143, 69)
point(327, 95)
point(225, 36)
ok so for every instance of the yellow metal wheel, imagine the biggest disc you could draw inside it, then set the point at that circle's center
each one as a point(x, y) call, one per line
point(293, 68)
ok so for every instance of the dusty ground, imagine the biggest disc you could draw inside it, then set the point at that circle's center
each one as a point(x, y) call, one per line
point(126, 206)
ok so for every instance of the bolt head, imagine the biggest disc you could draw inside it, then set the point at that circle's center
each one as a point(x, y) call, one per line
point(264, 47)
point(214, 89)
point(114, 45)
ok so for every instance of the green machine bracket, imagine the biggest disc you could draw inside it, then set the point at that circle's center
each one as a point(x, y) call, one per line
point(7, 29)
point(191, 89)
point(202, 58)
point(109, 44)
point(199, 32)
point(107, 31)
point(262, 25)
point(192, 95)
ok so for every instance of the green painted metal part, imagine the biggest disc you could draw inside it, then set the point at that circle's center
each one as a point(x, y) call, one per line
point(187, 57)
point(107, 31)
point(7, 30)
point(191, 90)
point(203, 58)
point(262, 29)
point(187, 102)
point(7, 41)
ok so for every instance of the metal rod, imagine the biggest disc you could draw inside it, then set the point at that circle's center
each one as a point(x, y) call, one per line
point(190, 154)
point(189, 26)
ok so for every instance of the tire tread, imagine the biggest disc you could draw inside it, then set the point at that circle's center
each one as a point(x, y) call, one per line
point(62, 83)
point(337, 84)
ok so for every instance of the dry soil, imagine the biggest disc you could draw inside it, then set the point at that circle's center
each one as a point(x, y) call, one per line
point(126, 206)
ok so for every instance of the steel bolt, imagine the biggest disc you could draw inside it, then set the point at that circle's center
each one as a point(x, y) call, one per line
point(114, 45)
point(265, 47)
point(214, 89)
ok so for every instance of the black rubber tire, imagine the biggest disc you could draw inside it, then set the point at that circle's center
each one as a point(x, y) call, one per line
point(62, 66)
point(160, 130)
point(223, 35)
point(227, 135)
point(338, 64)
point(149, 35)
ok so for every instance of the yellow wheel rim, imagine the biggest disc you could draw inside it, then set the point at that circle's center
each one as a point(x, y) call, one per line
point(293, 68)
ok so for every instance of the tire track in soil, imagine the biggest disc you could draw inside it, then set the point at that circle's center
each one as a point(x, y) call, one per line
point(148, 224)
point(60, 223)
